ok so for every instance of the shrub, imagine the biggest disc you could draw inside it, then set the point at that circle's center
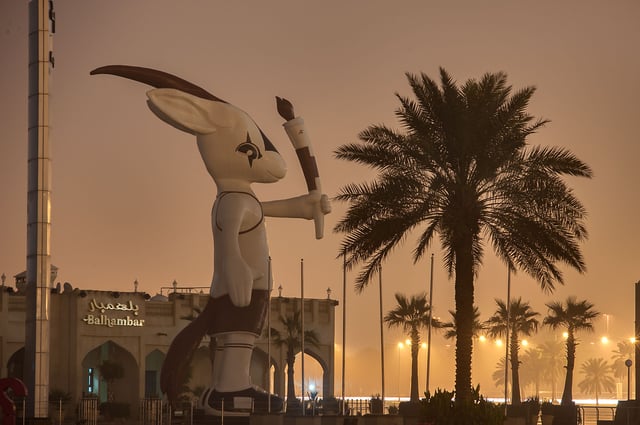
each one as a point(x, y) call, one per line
point(440, 408)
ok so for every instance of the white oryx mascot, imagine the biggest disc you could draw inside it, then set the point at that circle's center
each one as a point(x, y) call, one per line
point(236, 154)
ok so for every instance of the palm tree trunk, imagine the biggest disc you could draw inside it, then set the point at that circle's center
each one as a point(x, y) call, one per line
point(464, 319)
point(414, 370)
point(567, 393)
point(291, 389)
point(515, 369)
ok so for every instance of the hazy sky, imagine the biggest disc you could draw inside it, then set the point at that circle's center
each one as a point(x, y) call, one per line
point(132, 200)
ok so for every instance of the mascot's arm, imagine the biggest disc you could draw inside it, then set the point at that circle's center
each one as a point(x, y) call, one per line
point(302, 206)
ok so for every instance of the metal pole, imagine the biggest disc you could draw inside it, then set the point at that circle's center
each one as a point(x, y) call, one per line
point(302, 328)
point(430, 324)
point(269, 339)
point(344, 322)
point(381, 336)
point(637, 340)
point(506, 352)
point(37, 326)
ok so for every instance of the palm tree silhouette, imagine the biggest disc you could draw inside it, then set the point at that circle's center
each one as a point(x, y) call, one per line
point(575, 316)
point(291, 340)
point(411, 314)
point(553, 357)
point(522, 321)
point(625, 351)
point(461, 169)
point(597, 377)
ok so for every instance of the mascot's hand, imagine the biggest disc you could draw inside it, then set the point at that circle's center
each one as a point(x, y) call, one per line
point(313, 202)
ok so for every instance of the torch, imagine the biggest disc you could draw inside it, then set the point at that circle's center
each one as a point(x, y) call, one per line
point(302, 144)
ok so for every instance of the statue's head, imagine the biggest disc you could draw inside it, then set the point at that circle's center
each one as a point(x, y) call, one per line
point(230, 143)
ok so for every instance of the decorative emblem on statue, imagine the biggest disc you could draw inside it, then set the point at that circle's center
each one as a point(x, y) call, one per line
point(236, 154)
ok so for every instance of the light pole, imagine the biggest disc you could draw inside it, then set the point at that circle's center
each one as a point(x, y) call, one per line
point(628, 364)
point(400, 347)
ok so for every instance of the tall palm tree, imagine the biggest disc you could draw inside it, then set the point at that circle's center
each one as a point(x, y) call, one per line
point(411, 314)
point(553, 360)
point(597, 377)
point(575, 316)
point(461, 169)
point(291, 340)
point(625, 351)
point(522, 321)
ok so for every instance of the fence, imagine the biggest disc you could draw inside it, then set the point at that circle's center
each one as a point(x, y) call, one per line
point(88, 411)
point(591, 415)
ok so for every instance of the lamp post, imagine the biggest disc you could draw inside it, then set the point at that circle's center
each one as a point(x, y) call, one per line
point(400, 347)
point(628, 364)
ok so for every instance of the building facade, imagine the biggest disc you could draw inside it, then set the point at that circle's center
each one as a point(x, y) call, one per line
point(134, 331)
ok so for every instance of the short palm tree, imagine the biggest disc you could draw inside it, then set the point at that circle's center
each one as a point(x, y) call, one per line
point(624, 351)
point(597, 377)
point(532, 369)
point(461, 169)
point(553, 356)
point(411, 314)
point(523, 321)
point(291, 340)
point(499, 372)
point(574, 316)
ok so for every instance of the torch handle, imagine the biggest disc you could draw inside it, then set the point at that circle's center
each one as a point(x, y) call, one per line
point(311, 176)
point(302, 144)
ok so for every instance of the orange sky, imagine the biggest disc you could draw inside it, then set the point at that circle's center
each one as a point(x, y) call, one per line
point(131, 199)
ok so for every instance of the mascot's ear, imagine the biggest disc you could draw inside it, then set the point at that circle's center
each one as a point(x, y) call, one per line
point(190, 113)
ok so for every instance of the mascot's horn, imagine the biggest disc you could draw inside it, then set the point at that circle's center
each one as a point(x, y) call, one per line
point(155, 78)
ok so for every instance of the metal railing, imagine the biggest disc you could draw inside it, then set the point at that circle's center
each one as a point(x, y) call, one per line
point(88, 411)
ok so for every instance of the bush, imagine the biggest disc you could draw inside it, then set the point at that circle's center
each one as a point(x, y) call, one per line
point(440, 408)
point(56, 395)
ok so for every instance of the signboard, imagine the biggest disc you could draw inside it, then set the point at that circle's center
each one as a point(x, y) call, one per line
point(107, 314)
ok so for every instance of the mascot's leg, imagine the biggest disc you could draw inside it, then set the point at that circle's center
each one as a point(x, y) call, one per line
point(236, 330)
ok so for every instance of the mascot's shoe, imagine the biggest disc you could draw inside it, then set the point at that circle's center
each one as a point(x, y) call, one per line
point(240, 403)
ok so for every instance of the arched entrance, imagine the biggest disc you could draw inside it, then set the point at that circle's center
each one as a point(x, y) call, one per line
point(15, 365)
point(94, 371)
point(152, 367)
point(260, 372)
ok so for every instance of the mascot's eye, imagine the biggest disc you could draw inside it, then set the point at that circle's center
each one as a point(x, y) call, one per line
point(250, 150)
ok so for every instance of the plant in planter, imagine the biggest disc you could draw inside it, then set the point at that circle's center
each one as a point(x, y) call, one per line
point(531, 410)
point(58, 401)
point(376, 405)
point(440, 409)
point(546, 408)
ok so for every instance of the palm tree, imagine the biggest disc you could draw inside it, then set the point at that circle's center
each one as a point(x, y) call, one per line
point(451, 327)
point(462, 169)
point(552, 356)
point(291, 340)
point(532, 368)
point(625, 351)
point(411, 314)
point(574, 316)
point(522, 321)
point(498, 374)
point(597, 377)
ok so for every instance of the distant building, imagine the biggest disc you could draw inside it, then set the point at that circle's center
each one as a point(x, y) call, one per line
point(135, 330)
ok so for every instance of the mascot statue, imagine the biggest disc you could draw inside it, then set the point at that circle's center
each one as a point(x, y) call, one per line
point(236, 154)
